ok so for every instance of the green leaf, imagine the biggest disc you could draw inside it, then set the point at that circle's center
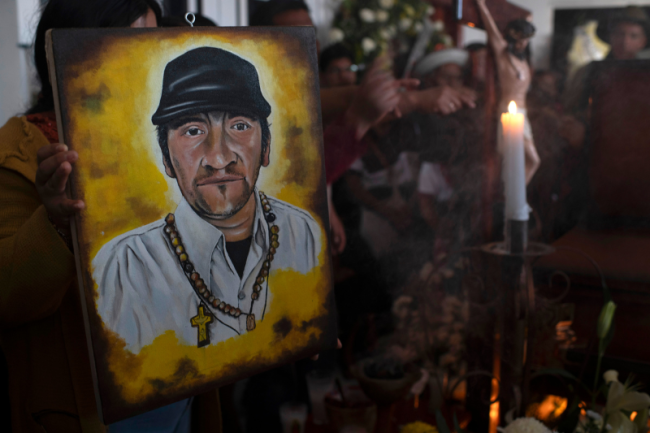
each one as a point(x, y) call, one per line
point(605, 319)
point(608, 339)
point(456, 425)
point(554, 372)
point(441, 423)
point(561, 373)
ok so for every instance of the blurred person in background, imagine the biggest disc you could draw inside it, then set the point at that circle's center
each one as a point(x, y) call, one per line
point(336, 70)
point(40, 317)
point(337, 67)
point(438, 69)
point(478, 58)
point(449, 158)
point(384, 180)
point(349, 112)
point(442, 68)
point(549, 190)
point(627, 33)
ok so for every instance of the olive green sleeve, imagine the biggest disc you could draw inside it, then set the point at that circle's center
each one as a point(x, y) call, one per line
point(36, 267)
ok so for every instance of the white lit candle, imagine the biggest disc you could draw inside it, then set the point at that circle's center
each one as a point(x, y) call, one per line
point(514, 164)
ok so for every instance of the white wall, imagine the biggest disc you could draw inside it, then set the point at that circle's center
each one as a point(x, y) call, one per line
point(226, 13)
point(322, 14)
point(542, 11)
point(11, 98)
point(18, 21)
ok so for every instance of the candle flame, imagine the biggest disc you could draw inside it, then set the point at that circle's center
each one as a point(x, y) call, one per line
point(512, 107)
point(549, 409)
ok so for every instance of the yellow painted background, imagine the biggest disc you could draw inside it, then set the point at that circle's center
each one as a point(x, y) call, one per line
point(110, 98)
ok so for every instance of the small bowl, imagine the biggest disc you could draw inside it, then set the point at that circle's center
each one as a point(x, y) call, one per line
point(386, 391)
point(362, 412)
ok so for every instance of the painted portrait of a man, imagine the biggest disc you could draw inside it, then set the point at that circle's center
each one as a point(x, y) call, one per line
point(203, 270)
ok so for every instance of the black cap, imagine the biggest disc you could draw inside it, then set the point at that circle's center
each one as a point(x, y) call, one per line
point(210, 79)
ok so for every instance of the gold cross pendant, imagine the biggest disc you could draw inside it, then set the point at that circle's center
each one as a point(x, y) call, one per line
point(250, 322)
point(201, 321)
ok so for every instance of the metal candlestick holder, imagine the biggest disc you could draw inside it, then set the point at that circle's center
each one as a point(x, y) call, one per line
point(515, 311)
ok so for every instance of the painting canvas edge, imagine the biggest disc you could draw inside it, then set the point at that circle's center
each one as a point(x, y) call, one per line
point(50, 51)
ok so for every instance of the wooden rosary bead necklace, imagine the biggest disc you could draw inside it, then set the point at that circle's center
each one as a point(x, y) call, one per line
point(199, 285)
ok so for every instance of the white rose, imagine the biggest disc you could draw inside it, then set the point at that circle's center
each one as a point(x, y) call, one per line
point(382, 16)
point(405, 23)
point(527, 425)
point(336, 35)
point(610, 376)
point(430, 10)
point(386, 4)
point(438, 26)
point(367, 16)
point(418, 27)
point(392, 31)
point(368, 45)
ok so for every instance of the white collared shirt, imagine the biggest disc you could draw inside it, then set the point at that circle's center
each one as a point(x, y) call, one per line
point(143, 291)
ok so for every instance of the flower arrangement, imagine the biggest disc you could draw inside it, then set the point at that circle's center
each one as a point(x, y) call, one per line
point(626, 409)
point(526, 425)
point(430, 326)
point(369, 27)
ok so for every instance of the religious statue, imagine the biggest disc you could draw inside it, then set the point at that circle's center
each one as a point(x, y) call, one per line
point(514, 73)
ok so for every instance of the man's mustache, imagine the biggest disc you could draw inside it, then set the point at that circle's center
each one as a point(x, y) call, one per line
point(209, 175)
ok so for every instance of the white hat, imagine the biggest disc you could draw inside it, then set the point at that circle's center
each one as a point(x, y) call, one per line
point(433, 61)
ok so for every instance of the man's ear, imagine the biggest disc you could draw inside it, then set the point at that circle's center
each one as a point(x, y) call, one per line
point(168, 168)
point(267, 152)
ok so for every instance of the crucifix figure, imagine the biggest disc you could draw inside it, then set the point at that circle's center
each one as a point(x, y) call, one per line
point(201, 321)
point(514, 74)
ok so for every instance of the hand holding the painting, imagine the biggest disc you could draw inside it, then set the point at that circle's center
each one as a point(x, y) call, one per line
point(54, 168)
point(378, 95)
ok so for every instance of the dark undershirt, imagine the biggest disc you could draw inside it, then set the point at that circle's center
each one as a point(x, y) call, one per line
point(238, 253)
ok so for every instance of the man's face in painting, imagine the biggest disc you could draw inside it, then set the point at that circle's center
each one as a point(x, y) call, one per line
point(216, 159)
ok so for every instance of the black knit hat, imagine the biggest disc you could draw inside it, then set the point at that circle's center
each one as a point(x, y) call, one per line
point(210, 79)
